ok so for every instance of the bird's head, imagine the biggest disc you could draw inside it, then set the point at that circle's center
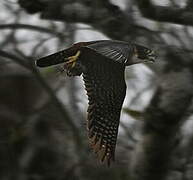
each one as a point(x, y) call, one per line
point(143, 54)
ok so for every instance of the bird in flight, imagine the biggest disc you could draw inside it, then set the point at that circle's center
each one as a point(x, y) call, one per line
point(102, 64)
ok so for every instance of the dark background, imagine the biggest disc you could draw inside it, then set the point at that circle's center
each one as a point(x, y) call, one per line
point(43, 112)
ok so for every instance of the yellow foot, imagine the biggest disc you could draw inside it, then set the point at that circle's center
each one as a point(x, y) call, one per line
point(71, 61)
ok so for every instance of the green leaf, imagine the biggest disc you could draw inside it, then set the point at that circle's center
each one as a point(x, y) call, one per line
point(133, 113)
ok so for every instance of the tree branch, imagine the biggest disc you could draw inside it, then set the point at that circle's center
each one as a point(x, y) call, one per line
point(163, 118)
point(50, 92)
point(103, 16)
point(175, 15)
point(15, 59)
point(31, 27)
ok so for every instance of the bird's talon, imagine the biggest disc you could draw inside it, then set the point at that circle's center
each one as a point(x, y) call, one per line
point(71, 61)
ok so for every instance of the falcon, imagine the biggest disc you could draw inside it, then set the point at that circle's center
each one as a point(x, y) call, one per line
point(102, 64)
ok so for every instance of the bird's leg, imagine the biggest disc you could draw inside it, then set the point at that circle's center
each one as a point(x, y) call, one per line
point(71, 61)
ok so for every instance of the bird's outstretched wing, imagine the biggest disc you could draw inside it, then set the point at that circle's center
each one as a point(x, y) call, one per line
point(118, 51)
point(106, 89)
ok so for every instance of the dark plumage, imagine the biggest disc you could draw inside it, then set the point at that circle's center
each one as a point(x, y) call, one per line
point(103, 65)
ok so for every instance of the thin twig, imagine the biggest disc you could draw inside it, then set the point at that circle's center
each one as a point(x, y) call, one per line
point(50, 92)
point(30, 27)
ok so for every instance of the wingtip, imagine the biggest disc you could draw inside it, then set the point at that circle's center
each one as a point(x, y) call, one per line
point(42, 62)
point(36, 63)
point(101, 151)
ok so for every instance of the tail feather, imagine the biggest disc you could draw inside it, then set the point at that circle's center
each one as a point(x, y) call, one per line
point(52, 59)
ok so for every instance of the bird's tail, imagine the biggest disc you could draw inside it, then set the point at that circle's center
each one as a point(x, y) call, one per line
point(52, 59)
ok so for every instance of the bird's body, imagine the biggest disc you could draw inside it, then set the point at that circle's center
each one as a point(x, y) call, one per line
point(102, 64)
